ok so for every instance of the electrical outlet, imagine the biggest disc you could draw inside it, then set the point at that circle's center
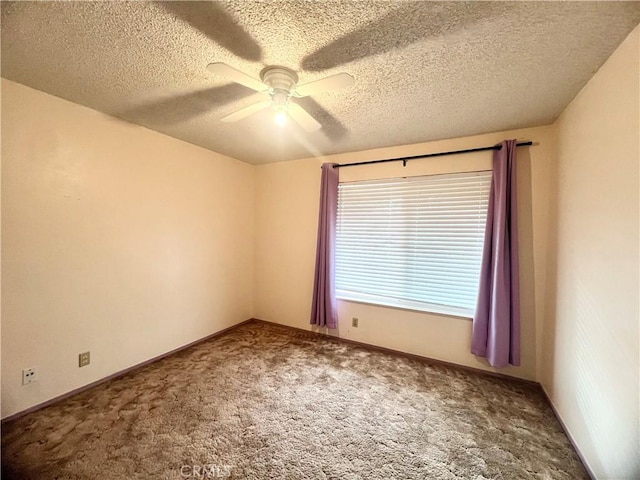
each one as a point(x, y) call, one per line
point(29, 375)
point(84, 359)
point(354, 322)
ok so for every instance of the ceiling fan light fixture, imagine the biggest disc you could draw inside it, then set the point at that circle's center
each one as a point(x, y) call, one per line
point(280, 99)
point(281, 117)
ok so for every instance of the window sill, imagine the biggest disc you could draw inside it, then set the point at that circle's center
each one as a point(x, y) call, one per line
point(406, 305)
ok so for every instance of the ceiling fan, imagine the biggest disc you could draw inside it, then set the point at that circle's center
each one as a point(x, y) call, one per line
point(275, 89)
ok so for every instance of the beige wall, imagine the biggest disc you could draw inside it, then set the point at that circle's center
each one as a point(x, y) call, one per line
point(115, 239)
point(591, 353)
point(286, 207)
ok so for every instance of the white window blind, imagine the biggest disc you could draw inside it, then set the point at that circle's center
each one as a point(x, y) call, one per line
point(413, 242)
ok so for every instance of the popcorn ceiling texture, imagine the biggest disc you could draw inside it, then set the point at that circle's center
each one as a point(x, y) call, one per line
point(424, 70)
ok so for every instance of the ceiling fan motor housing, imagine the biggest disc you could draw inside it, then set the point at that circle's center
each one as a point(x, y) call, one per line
point(281, 80)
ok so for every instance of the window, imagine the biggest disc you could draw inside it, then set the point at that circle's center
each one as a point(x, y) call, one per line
point(413, 242)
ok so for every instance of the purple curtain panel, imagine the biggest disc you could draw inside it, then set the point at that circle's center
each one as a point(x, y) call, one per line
point(496, 323)
point(324, 311)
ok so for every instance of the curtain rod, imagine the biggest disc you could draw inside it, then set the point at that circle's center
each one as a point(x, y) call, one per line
point(404, 160)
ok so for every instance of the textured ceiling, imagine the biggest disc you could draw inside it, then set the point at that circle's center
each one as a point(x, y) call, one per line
point(423, 70)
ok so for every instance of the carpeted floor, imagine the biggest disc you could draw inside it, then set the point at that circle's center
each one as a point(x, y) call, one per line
point(265, 402)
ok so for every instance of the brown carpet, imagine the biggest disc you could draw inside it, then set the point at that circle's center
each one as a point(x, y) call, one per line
point(265, 402)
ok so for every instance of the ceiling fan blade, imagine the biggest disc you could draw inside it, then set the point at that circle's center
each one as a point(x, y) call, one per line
point(212, 20)
point(334, 82)
point(237, 76)
point(303, 118)
point(332, 128)
point(246, 111)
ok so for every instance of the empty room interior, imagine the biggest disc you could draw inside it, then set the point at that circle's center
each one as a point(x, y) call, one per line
point(320, 240)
